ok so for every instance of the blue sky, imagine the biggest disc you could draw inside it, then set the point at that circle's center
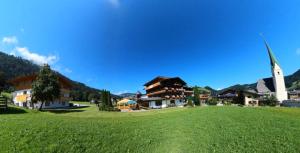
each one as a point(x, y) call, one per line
point(120, 44)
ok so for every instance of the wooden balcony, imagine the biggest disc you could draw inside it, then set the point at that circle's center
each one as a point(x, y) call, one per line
point(157, 92)
point(153, 86)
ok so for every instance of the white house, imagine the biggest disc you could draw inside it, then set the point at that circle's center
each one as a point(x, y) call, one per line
point(22, 95)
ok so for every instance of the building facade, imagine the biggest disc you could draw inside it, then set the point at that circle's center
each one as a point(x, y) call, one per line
point(167, 92)
point(245, 97)
point(294, 95)
point(23, 93)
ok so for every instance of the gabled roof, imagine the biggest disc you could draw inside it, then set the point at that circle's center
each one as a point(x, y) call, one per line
point(265, 85)
point(157, 79)
point(174, 80)
point(272, 57)
point(62, 79)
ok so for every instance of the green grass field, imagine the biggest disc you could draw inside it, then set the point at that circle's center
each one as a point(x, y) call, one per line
point(200, 129)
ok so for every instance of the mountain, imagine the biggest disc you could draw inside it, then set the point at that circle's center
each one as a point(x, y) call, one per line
point(213, 92)
point(11, 67)
point(292, 82)
point(124, 95)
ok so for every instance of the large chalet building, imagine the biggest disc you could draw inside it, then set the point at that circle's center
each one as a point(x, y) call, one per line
point(23, 92)
point(164, 92)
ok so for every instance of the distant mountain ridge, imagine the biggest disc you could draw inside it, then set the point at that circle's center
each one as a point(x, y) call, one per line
point(124, 95)
point(292, 82)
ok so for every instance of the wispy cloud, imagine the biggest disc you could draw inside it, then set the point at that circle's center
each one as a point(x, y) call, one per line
point(10, 46)
point(298, 51)
point(89, 80)
point(67, 70)
point(115, 3)
point(10, 40)
point(36, 58)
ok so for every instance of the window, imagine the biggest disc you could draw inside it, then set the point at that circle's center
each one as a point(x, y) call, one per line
point(66, 95)
point(158, 103)
point(47, 104)
point(278, 73)
point(24, 92)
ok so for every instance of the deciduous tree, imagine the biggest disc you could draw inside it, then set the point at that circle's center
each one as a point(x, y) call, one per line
point(46, 87)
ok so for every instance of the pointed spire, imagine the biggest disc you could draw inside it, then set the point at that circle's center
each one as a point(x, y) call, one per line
point(273, 59)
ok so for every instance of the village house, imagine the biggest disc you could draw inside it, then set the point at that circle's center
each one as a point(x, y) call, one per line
point(23, 92)
point(245, 97)
point(294, 95)
point(162, 92)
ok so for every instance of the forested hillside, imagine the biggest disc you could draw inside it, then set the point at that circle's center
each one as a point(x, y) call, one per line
point(11, 67)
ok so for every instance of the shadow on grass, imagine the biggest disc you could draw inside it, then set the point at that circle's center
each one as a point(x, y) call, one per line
point(63, 111)
point(12, 110)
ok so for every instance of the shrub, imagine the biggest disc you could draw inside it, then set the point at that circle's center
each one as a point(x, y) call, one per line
point(6, 95)
point(227, 103)
point(269, 101)
point(212, 101)
point(71, 104)
point(190, 103)
point(239, 99)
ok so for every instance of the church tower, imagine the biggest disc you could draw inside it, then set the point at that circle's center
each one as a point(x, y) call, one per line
point(278, 77)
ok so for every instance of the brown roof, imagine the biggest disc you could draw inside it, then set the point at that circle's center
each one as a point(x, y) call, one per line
point(157, 79)
point(62, 79)
point(164, 79)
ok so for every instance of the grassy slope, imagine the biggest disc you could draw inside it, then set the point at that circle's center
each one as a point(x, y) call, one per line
point(206, 129)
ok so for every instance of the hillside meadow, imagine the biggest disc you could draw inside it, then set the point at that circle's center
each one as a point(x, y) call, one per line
point(200, 129)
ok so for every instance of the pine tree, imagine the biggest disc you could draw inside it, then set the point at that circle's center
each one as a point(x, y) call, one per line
point(106, 103)
point(46, 87)
point(196, 95)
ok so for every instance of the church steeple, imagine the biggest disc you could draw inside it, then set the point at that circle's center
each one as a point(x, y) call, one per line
point(278, 77)
point(272, 57)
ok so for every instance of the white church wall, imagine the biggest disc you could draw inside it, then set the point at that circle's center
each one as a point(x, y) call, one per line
point(279, 84)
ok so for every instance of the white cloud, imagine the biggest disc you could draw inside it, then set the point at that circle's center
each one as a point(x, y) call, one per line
point(36, 58)
point(13, 53)
point(10, 40)
point(298, 51)
point(114, 3)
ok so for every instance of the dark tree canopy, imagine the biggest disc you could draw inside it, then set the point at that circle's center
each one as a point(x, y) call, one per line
point(46, 87)
point(2, 81)
point(196, 98)
point(106, 103)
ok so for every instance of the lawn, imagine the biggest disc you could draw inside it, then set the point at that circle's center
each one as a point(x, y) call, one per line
point(200, 129)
